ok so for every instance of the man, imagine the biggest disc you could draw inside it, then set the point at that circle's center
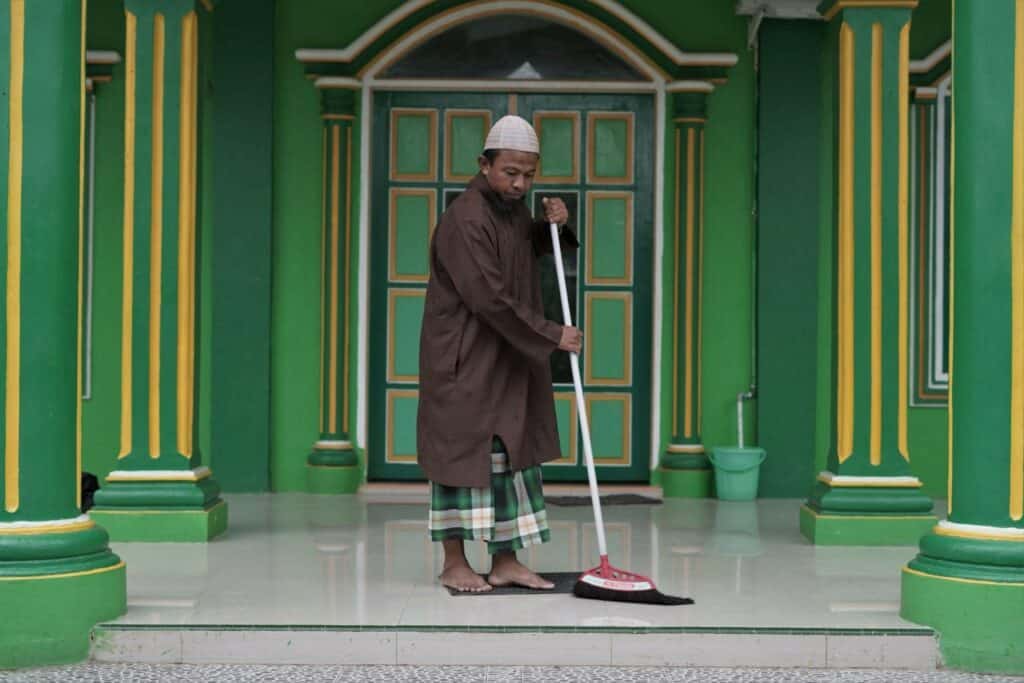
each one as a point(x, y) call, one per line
point(486, 416)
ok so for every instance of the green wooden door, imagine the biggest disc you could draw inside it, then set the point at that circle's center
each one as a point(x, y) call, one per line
point(597, 155)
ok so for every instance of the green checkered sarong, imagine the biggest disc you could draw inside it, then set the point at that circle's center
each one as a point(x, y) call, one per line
point(509, 515)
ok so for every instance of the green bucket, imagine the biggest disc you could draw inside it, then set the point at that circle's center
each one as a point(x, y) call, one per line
point(736, 471)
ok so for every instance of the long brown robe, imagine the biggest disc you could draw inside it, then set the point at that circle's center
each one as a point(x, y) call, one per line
point(485, 343)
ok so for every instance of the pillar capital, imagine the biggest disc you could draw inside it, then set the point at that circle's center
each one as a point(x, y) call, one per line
point(338, 97)
point(843, 9)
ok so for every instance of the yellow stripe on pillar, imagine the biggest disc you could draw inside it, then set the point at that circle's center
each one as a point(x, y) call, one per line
point(156, 232)
point(127, 294)
point(688, 339)
point(903, 223)
point(332, 368)
point(1017, 273)
point(844, 397)
point(12, 399)
point(186, 233)
point(876, 244)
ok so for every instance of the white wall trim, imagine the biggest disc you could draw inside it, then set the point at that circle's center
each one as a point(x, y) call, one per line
point(420, 85)
point(921, 66)
point(1007, 532)
point(102, 57)
point(44, 524)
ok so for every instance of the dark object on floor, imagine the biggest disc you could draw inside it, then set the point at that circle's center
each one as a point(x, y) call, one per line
point(563, 584)
point(605, 582)
point(90, 485)
point(609, 499)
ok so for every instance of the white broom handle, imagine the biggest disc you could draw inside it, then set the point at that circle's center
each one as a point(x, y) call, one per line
point(581, 406)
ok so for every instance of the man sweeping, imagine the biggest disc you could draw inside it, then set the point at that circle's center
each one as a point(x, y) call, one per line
point(486, 416)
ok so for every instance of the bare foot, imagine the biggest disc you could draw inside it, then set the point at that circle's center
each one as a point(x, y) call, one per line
point(506, 570)
point(462, 578)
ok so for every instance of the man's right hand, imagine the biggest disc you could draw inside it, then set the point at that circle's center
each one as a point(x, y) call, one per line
point(572, 340)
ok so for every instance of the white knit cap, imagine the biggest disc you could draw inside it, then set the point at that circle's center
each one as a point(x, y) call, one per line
point(513, 133)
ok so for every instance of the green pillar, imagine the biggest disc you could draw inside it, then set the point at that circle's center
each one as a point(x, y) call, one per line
point(685, 469)
point(868, 495)
point(967, 582)
point(160, 491)
point(58, 576)
point(333, 466)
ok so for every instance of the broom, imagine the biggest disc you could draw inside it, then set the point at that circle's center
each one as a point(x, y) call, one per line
point(603, 582)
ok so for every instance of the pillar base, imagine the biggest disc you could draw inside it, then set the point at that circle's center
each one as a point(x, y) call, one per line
point(48, 618)
point(972, 618)
point(328, 479)
point(690, 483)
point(822, 528)
point(163, 525)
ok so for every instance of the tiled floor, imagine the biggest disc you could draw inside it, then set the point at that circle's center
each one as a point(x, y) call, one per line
point(324, 574)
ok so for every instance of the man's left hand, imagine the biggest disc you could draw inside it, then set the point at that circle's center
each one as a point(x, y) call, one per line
point(555, 211)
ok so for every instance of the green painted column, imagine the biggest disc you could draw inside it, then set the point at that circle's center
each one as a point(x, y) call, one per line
point(160, 490)
point(333, 466)
point(967, 582)
point(685, 469)
point(58, 576)
point(868, 495)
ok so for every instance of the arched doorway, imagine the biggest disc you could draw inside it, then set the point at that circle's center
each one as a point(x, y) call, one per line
point(593, 106)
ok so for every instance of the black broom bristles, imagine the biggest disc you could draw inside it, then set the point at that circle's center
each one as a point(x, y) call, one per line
point(652, 596)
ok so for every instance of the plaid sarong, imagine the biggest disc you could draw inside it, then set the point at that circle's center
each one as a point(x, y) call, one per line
point(509, 515)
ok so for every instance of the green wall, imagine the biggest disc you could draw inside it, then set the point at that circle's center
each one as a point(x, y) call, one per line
point(787, 252)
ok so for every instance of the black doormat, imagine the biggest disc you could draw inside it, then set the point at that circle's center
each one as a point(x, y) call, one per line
point(564, 581)
point(610, 499)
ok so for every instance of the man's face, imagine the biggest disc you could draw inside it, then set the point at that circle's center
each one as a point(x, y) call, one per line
point(511, 173)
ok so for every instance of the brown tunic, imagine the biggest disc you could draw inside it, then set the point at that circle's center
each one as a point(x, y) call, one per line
point(485, 344)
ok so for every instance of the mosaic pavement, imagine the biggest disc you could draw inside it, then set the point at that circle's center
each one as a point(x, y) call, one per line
point(166, 673)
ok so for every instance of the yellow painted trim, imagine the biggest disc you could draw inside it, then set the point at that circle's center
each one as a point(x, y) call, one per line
point(69, 575)
point(944, 531)
point(627, 256)
point(844, 485)
point(954, 579)
point(156, 228)
point(688, 320)
point(699, 330)
point(127, 279)
point(12, 399)
point(187, 232)
point(323, 266)
point(675, 296)
point(207, 5)
point(903, 202)
point(876, 244)
point(81, 253)
point(431, 174)
point(689, 449)
point(394, 294)
point(689, 119)
point(513, 103)
point(389, 453)
point(1017, 273)
point(844, 398)
point(345, 278)
point(855, 4)
point(332, 311)
point(48, 529)
point(14, 199)
point(627, 345)
point(395, 193)
point(338, 117)
point(449, 116)
point(627, 424)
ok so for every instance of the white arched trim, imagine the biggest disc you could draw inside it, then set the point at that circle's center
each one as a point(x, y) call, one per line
point(478, 9)
point(407, 9)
